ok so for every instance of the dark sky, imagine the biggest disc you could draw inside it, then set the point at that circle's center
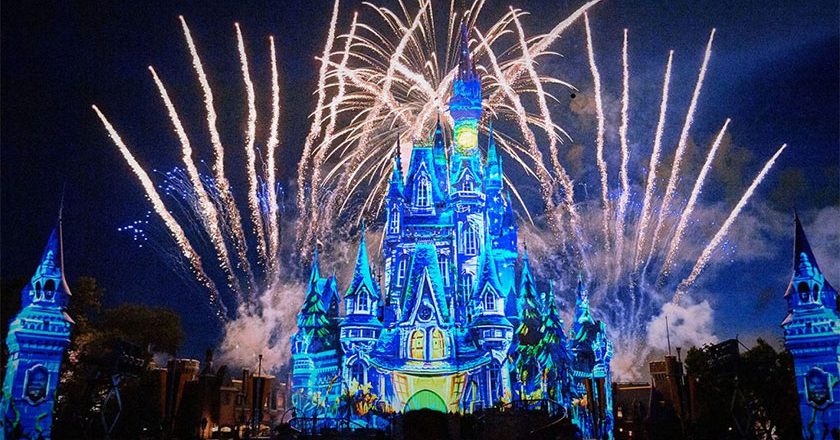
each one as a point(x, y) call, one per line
point(774, 71)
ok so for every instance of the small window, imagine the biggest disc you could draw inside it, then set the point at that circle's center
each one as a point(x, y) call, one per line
point(489, 302)
point(422, 192)
point(394, 221)
point(438, 344)
point(363, 301)
point(417, 344)
point(470, 240)
point(443, 266)
point(467, 284)
point(468, 184)
point(359, 373)
point(401, 271)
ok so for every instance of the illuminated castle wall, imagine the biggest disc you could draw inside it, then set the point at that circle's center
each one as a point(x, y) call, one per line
point(37, 339)
point(449, 328)
point(812, 335)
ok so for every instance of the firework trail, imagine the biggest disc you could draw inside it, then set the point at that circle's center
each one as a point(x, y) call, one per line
point(271, 166)
point(207, 209)
point(221, 181)
point(315, 128)
point(542, 173)
point(329, 132)
point(724, 229)
point(171, 224)
point(559, 170)
point(668, 265)
point(644, 218)
point(599, 139)
point(678, 155)
point(625, 155)
point(250, 155)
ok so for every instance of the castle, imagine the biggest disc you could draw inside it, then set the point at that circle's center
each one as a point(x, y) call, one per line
point(37, 340)
point(449, 328)
point(812, 335)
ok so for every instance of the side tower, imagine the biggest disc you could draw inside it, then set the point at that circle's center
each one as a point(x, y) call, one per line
point(315, 347)
point(812, 335)
point(361, 326)
point(37, 339)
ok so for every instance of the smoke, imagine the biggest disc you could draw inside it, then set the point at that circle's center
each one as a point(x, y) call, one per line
point(689, 324)
point(265, 328)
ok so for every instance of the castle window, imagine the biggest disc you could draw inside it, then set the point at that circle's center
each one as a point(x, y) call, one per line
point(489, 301)
point(438, 344)
point(401, 271)
point(495, 379)
point(804, 291)
point(470, 240)
point(816, 292)
point(417, 344)
point(467, 284)
point(468, 184)
point(394, 222)
point(358, 372)
point(443, 265)
point(422, 192)
point(363, 301)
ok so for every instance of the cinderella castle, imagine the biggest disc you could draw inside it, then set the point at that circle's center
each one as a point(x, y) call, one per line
point(449, 328)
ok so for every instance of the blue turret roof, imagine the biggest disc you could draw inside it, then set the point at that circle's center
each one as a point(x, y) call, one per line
point(363, 281)
point(466, 72)
point(395, 187)
point(48, 286)
point(493, 172)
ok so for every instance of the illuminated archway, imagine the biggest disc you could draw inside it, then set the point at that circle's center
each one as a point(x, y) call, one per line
point(425, 399)
point(417, 344)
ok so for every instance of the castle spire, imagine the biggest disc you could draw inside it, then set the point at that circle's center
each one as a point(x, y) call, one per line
point(465, 65)
point(802, 247)
point(395, 189)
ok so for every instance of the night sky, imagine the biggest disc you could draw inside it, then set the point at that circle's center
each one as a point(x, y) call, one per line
point(774, 71)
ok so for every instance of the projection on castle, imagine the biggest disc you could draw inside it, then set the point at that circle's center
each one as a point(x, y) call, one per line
point(456, 323)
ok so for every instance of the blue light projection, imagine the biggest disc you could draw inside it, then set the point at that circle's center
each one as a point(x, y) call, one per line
point(448, 328)
point(37, 339)
point(812, 335)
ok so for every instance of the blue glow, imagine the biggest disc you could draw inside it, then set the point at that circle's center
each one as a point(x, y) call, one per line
point(37, 339)
point(447, 328)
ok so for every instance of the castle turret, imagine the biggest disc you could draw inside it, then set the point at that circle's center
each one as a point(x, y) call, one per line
point(492, 327)
point(37, 340)
point(812, 335)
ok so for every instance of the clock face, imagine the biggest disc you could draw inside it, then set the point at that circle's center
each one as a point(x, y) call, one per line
point(425, 312)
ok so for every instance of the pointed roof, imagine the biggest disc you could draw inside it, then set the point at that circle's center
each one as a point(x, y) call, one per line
point(801, 246)
point(422, 159)
point(466, 72)
point(489, 274)
point(493, 173)
point(424, 269)
point(362, 276)
point(395, 187)
point(50, 268)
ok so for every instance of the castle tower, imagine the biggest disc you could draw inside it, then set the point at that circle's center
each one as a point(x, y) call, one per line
point(491, 327)
point(465, 103)
point(812, 335)
point(37, 339)
point(361, 325)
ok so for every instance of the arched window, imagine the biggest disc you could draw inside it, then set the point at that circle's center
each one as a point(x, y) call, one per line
point(470, 240)
point(49, 289)
point(443, 266)
point(816, 292)
point(495, 380)
point(467, 284)
point(394, 221)
point(422, 192)
point(401, 271)
point(489, 301)
point(38, 291)
point(438, 344)
point(468, 184)
point(804, 291)
point(363, 301)
point(358, 372)
point(417, 344)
